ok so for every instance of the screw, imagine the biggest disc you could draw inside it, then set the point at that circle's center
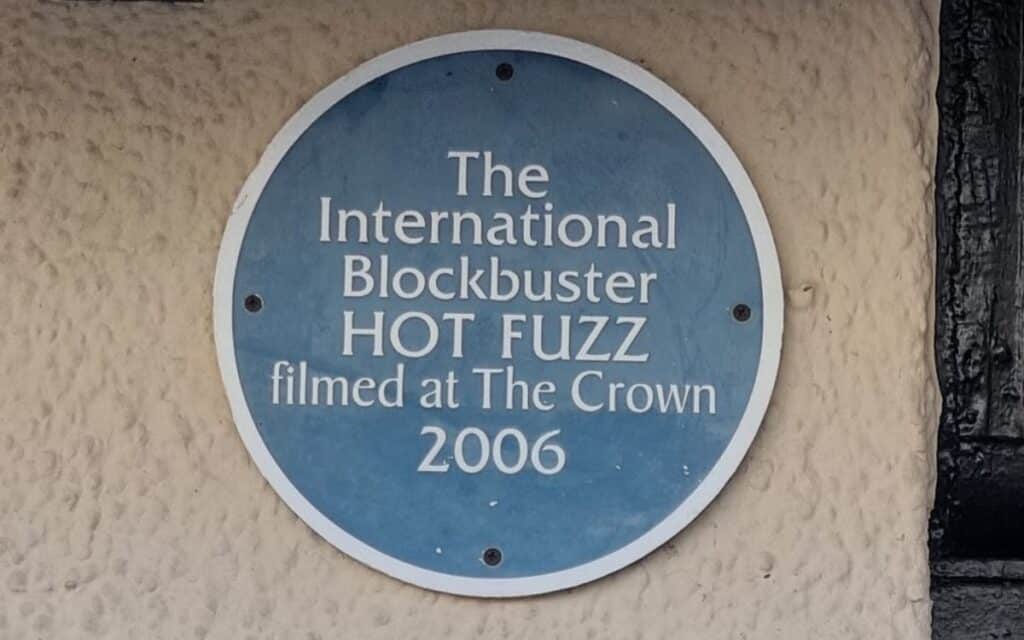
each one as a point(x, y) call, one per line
point(504, 72)
point(492, 556)
point(253, 303)
point(741, 312)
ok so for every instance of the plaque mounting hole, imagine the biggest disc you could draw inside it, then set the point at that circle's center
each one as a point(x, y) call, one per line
point(491, 556)
point(253, 303)
point(741, 312)
point(504, 72)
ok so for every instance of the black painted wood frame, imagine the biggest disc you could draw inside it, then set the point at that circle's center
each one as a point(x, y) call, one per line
point(977, 524)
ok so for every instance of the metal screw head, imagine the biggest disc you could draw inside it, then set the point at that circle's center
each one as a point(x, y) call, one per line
point(491, 556)
point(253, 303)
point(741, 312)
point(504, 72)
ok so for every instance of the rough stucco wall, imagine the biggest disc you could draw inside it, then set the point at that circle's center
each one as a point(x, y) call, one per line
point(128, 505)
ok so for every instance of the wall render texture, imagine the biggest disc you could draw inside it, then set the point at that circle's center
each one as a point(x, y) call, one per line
point(128, 505)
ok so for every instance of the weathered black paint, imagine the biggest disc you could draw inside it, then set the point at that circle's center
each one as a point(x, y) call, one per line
point(977, 525)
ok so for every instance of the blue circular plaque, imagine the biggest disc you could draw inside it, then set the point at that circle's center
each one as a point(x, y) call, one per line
point(498, 313)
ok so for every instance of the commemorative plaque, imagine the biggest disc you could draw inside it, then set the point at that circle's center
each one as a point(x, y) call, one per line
point(498, 313)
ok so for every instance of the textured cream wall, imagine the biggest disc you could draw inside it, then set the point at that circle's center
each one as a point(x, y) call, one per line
point(128, 505)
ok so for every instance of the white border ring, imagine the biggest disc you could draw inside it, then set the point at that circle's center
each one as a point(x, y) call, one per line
point(771, 285)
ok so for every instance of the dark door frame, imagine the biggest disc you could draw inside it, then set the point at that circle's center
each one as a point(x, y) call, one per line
point(977, 525)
